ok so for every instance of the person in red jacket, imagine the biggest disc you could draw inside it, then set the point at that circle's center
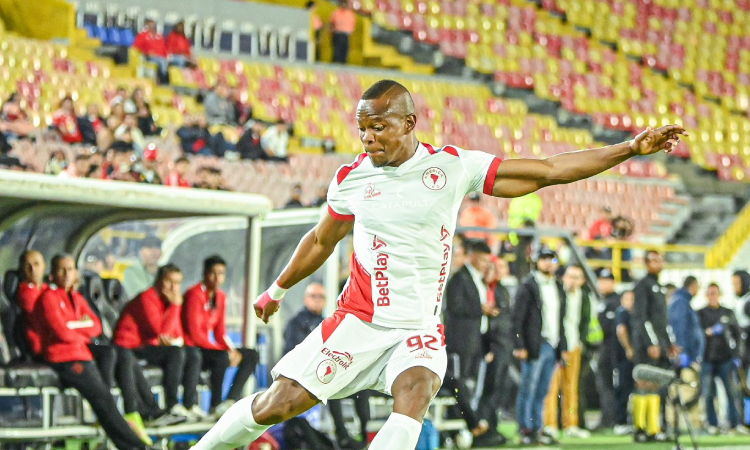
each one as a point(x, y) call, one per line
point(176, 177)
point(203, 319)
point(179, 49)
point(154, 49)
point(150, 326)
point(31, 269)
point(66, 122)
point(66, 325)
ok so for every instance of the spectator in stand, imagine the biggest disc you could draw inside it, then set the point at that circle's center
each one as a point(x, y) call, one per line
point(79, 168)
point(148, 170)
point(343, 23)
point(317, 25)
point(67, 325)
point(275, 141)
point(242, 111)
point(152, 45)
point(219, 109)
point(57, 163)
point(119, 163)
point(321, 197)
point(150, 326)
point(176, 177)
point(210, 178)
point(129, 132)
point(476, 215)
point(31, 270)
point(66, 123)
point(602, 226)
point(721, 359)
point(296, 200)
point(195, 139)
point(249, 146)
point(203, 315)
point(14, 122)
point(91, 124)
point(140, 275)
point(121, 96)
point(179, 49)
point(686, 325)
point(143, 113)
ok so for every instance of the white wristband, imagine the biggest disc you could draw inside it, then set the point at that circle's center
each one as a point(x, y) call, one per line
point(276, 292)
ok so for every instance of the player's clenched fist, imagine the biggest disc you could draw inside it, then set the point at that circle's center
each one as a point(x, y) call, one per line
point(268, 302)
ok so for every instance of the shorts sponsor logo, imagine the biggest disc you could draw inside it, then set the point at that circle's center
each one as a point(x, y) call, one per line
point(423, 355)
point(370, 191)
point(382, 291)
point(434, 178)
point(326, 371)
point(343, 359)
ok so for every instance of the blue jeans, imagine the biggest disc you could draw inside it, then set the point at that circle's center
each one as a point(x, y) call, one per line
point(724, 371)
point(536, 375)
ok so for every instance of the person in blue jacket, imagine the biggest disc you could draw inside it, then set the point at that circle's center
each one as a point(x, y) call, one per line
point(685, 324)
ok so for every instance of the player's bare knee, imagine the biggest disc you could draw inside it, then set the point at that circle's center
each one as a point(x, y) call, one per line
point(282, 401)
point(413, 391)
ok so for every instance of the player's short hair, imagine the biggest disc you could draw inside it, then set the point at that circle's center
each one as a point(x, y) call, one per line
point(477, 246)
point(212, 261)
point(59, 257)
point(713, 284)
point(689, 281)
point(165, 270)
point(381, 87)
point(649, 253)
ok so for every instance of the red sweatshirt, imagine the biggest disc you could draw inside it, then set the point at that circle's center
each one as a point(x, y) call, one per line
point(199, 319)
point(28, 295)
point(145, 318)
point(150, 44)
point(65, 337)
point(178, 45)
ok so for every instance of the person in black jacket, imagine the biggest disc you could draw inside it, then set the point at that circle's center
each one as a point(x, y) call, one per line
point(297, 329)
point(721, 357)
point(605, 379)
point(538, 316)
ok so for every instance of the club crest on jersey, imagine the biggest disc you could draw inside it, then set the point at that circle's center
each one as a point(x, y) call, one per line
point(326, 371)
point(370, 191)
point(434, 178)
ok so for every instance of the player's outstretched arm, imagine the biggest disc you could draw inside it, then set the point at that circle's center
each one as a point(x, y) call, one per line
point(517, 177)
point(313, 250)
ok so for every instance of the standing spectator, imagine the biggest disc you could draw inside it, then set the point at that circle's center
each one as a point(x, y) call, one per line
point(565, 381)
point(275, 141)
point(476, 215)
point(152, 45)
point(150, 326)
point(624, 356)
point(140, 275)
point(148, 171)
point(651, 345)
point(538, 316)
point(685, 323)
point(143, 113)
point(317, 26)
point(607, 315)
point(66, 122)
point(741, 283)
point(721, 358)
point(602, 226)
point(179, 49)
point(176, 177)
point(343, 23)
point(79, 168)
point(67, 326)
point(296, 200)
point(219, 109)
point(31, 269)
point(203, 316)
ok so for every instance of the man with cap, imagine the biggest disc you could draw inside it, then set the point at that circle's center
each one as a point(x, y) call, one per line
point(140, 275)
point(607, 315)
point(538, 321)
point(476, 215)
point(148, 170)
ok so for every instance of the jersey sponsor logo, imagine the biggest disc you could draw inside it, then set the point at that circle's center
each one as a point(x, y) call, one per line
point(434, 178)
point(382, 291)
point(377, 243)
point(444, 234)
point(326, 371)
point(343, 359)
point(370, 191)
point(403, 204)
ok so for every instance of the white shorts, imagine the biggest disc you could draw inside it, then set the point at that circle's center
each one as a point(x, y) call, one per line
point(345, 355)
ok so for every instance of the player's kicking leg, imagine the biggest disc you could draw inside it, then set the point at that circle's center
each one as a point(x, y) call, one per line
point(250, 417)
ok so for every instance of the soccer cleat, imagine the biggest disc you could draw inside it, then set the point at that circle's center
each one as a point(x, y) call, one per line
point(622, 430)
point(576, 432)
point(136, 424)
point(528, 437)
point(165, 420)
point(640, 436)
point(740, 429)
point(712, 430)
point(222, 407)
point(179, 410)
point(545, 438)
point(198, 413)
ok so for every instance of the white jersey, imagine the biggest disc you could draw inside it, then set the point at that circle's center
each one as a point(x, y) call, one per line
point(404, 220)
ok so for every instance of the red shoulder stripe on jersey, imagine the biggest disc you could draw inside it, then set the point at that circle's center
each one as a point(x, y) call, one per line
point(450, 150)
point(337, 216)
point(357, 295)
point(429, 148)
point(489, 180)
point(344, 171)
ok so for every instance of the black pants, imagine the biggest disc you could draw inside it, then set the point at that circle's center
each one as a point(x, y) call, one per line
point(624, 387)
point(457, 385)
point(340, 47)
point(361, 405)
point(105, 357)
point(217, 362)
point(298, 433)
point(85, 377)
point(605, 381)
point(172, 361)
point(494, 386)
point(136, 392)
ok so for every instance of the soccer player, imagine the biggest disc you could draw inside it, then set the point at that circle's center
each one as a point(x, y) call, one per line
point(401, 198)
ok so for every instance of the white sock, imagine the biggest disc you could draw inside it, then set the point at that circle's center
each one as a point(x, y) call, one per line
point(399, 432)
point(236, 428)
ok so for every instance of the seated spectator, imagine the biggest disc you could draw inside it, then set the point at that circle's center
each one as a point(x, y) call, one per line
point(152, 45)
point(296, 200)
point(195, 139)
point(31, 270)
point(148, 169)
point(249, 146)
point(129, 132)
point(203, 316)
point(210, 178)
point(91, 124)
point(242, 111)
point(65, 122)
point(67, 325)
point(79, 168)
point(150, 327)
point(57, 163)
point(121, 96)
point(143, 114)
point(14, 122)
point(118, 164)
point(176, 177)
point(179, 49)
point(219, 109)
point(275, 141)
point(321, 197)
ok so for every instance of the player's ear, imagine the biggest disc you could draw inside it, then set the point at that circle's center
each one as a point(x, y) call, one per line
point(411, 122)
